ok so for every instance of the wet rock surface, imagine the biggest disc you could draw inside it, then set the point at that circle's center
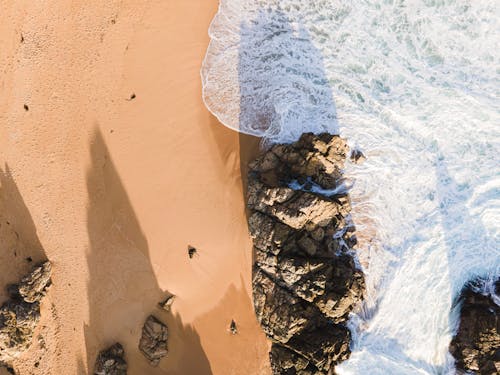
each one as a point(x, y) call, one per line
point(111, 361)
point(476, 345)
point(19, 316)
point(305, 279)
point(357, 157)
point(153, 343)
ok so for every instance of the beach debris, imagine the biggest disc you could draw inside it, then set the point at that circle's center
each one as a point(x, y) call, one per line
point(111, 361)
point(191, 251)
point(19, 316)
point(167, 302)
point(357, 157)
point(153, 343)
point(305, 277)
point(232, 327)
point(26, 108)
point(132, 97)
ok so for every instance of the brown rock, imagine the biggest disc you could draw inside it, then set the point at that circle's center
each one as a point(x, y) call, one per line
point(19, 316)
point(33, 286)
point(305, 279)
point(357, 157)
point(18, 320)
point(167, 302)
point(476, 346)
point(111, 361)
point(153, 343)
point(287, 362)
point(286, 315)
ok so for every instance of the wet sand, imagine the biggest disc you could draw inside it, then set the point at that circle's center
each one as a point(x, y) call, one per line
point(110, 167)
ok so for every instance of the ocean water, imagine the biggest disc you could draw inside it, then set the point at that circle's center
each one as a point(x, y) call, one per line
point(415, 85)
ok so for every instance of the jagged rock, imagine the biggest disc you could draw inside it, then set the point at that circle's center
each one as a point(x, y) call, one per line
point(20, 315)
point(18, 320)
point(323, 345)
point(476, 346)
point(111, 361)
point(291, 208)
point(153, 343)
point(32, 287)
point(286, 316)
point(286, 362)
point(305, 279)
point(334, 286)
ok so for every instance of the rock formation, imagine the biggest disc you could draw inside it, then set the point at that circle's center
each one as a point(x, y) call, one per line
point(21, 313)
point(153, 343)
point(476, 346)
point(305, 280)
point(111, 361)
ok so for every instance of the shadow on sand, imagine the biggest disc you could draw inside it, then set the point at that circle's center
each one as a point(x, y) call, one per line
point(20, 247)
point(122, 287)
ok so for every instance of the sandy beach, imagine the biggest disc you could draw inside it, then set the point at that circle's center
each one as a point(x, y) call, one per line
point(110, 167)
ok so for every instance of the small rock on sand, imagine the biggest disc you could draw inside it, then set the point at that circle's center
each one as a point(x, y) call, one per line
point(153, 343)
point(111, 362)
point(167, 302)
point(232, 327)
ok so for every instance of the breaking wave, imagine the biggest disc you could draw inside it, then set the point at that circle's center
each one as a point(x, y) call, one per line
point(415, 85)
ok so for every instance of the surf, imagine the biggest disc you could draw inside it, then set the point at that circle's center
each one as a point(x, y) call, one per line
point(414, 85)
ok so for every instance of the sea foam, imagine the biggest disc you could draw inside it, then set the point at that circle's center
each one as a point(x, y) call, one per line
point(415, 85)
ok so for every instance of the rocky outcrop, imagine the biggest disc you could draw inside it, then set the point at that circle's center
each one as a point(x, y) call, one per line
point(153, 343)
point(33, 287)
point(21, 313)
point(111, 361)
point(476, 345)
point(305, 279)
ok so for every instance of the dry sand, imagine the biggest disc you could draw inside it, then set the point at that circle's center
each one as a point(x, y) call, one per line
point(112, 190)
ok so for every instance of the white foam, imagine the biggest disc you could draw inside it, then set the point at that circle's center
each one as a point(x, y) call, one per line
point(416, 87)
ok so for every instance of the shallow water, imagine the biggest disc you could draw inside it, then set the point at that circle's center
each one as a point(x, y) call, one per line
point(415, 85)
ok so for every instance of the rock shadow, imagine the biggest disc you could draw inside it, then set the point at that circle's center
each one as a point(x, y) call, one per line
point(20, 246)
point(471, 252)
point(186, 355)
point(284, 90)
point(122, 287)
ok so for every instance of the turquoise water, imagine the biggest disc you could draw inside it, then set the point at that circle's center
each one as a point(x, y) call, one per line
point(413, 84)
